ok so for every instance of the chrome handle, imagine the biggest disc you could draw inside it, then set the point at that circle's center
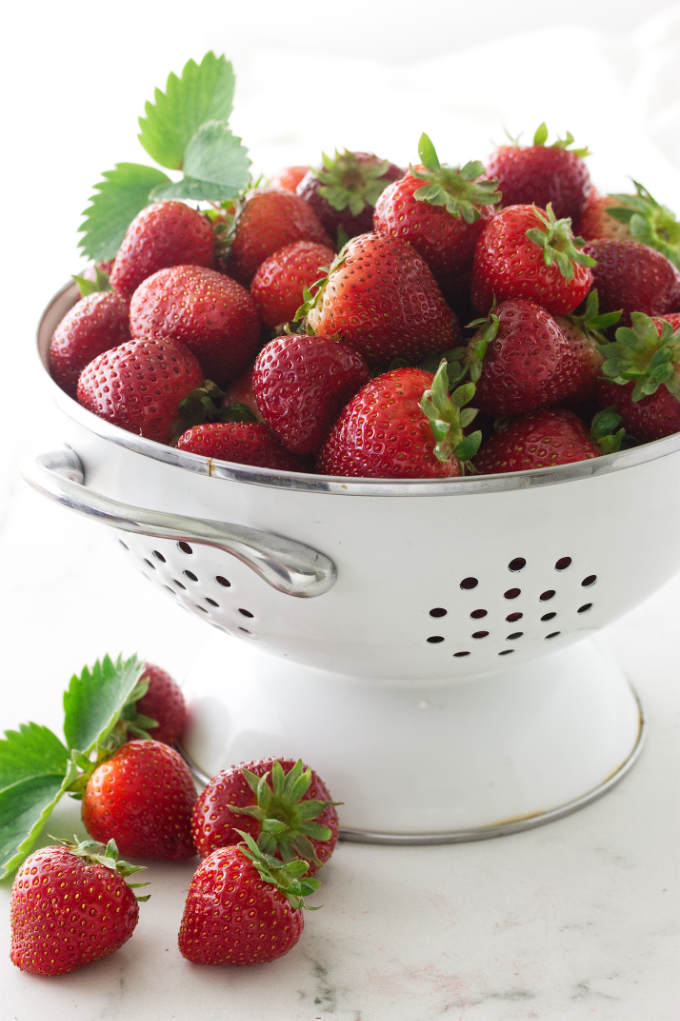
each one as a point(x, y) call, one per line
point(286, 565)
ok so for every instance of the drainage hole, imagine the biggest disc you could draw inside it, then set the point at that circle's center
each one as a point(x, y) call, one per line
point(514, 636)
point(438, 611)
point(563, 563)
point(480, 634)
point(585, 608)
point(512, 593)
point(434, 639)
point(545, 596)
point(553, 634)
point(159, 556)
point(222, 581)
point(548, 616)
point(190, 575)
point(459, 654)
point(512, 617)
point(170, 590)
point(213, 602)
point(245, 630)
point(124, 545)
point(201, 608)
point(517, 564)
point(245, 613)
point(590, 580)
point(179, 584)
point(469, 583)
point(505, 652)
point(149, 564)
point(185, 547)
point(478, 614)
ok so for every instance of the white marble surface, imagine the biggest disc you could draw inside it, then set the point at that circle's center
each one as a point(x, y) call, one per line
point(576, 920)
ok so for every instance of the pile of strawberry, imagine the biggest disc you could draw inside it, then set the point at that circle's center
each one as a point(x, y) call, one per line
point(355, 318)
point(262, 829)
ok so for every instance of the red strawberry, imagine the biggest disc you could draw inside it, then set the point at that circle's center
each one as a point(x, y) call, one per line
point(402, 425)
point(242, 442)
point(521, 360)
point(164, 234)
point(279, 284)
point(440, 210)
point(95, 324)
point(382, 300)
point(634, 278)
point(164, 703)
point(70, 905)
point(637, 217)
point(211, 314)
point(343, 191)
point(142, 797)
point(642, 367)
point(248, 797)
point(524, 252)
point(289, 177)
point(539, 174)
point(302, 382)
point(539, 440)
point(240, 393)
point(139, 385)
point(243, 907)
point(596, 220)
point(268, 220)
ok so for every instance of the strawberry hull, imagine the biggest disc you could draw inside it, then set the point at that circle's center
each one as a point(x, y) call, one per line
point(381, 598)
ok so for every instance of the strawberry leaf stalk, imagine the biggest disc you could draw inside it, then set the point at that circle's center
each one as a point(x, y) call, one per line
point(648, 221)
point(93, 852)
point(560, 246)
point(458, 189)
point(289, 877)
point(448, 417)
point(287, 820)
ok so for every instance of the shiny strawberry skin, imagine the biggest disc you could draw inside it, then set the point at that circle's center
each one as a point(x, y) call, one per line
point(530, 364)
point(445, 242)
point(382, 299)
point(214, 824)
point(539, 174)
point(164, 234)
point(541, 439)
point(252, 443)
point(139, 385)
point(343, 219)
point(269, 220)
point(95, 324)
point(507, 264)
point(302, 382)
point(280, 280)
point(66, 913)
point(163, 702)
point(383, 433)
point(142, 797)
point(633, 277)
point(232, 917)
point(214, 316)
point(595, 221)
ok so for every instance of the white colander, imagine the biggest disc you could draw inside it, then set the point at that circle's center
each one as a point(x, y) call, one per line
point(423, 644)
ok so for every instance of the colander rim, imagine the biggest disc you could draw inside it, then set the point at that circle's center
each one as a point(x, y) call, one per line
point(309, 482)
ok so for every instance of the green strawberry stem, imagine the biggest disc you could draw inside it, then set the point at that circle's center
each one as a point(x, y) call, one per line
point(286, 817)
point(541, 137)
point(606, 431)
point(648, 221)
point(288, 877)
point(593, 322)
point(559, 245)
point(349, 184)
point(644, 355)
point(448, 417)
point(458, 189)
point(92, 852)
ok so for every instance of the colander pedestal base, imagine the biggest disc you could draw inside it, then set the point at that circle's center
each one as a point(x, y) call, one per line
point(424, 761)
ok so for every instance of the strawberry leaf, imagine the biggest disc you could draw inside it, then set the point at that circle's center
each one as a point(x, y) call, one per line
point(216, 166)
point(35, 769)
point(119, 196)
point(203, 92)
point(95, 700)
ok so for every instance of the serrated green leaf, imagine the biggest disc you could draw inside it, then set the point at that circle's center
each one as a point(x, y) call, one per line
point(95, 700)
point(215, 154)
point(119, 196)
point(31, 751)
point(203, 92)
point(23, 811)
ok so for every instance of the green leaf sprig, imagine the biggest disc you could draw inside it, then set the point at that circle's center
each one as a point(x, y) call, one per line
point(184, 129)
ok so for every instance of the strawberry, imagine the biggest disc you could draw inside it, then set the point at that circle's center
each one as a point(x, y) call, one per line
point(402, 425)
point(282, 804)
point(288, 178)
point(96, 323)
point(627, 217)
point(538, 440)
point(243, 907)
point(280, 282)
point(240, 394)
point(381, 298)
point(343, 191)
point(162, 702)
point(211, 314)
point(142, 797)
point(268, 220)
point(539, 174)
point(70, 905)
point(164, 234)
point(524, 252)
point(642, 376)
point(242, 442)
point(302, 382)
point(633, 277)
point(139, 385)
point(440, 210)
point(521, 360)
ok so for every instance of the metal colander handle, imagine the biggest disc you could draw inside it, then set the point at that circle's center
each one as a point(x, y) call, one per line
point(286, 565)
